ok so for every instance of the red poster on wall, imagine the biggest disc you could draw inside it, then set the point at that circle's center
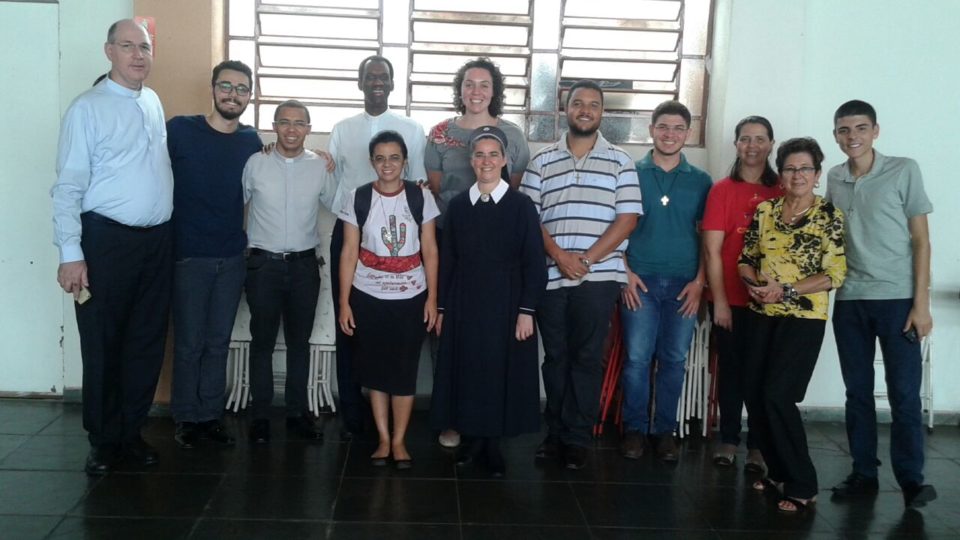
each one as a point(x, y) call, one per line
point(150, 25)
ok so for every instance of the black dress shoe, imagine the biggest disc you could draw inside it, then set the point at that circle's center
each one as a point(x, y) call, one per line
point(918, 495)
point(304, 427)
point(470, 453)
point(140, 453)
point(575, 457)
point(186, 435)
point(667, 450)
point(549, 448)
point(857, 485)
point(101, 459)
point(260, 431)
point(214, 430)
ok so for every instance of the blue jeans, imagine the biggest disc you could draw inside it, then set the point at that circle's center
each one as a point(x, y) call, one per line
point(857, 324)
point(655, 330)
point(205, 299)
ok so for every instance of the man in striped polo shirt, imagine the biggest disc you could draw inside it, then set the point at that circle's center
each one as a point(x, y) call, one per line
point(588, 196)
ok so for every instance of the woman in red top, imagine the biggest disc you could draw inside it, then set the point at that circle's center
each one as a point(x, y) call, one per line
point(730, 208)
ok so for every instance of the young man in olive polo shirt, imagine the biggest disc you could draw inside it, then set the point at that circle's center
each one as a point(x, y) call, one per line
point(885, 296)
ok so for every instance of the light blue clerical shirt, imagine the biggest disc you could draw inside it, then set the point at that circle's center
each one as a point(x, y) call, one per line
point(112, 160)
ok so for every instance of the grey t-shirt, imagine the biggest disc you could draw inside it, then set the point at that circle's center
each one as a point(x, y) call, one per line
point(878, 207)
point(448, 151)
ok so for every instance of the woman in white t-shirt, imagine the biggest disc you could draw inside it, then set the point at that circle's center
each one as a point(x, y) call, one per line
point(388, 284)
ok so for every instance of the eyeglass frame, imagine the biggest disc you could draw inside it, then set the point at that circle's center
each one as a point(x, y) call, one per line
point(226, 88)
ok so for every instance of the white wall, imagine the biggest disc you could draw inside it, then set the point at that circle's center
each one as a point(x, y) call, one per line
point(795, 62)
point(51, 52)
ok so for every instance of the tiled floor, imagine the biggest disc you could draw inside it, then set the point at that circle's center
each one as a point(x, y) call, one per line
point(294, 490)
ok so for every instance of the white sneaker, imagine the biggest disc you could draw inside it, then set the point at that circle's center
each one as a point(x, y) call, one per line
point(449, 439)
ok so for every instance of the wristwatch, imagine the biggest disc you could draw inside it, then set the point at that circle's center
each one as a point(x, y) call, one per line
point(789, 293)
point(586, 261)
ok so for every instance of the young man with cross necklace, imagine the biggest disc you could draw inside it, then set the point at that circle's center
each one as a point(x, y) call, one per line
point(666, 278)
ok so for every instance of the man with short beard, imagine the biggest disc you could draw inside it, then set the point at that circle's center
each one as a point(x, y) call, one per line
point(588, 197)
point(208, 154)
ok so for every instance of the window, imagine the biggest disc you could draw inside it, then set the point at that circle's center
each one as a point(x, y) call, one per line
point(642, 52)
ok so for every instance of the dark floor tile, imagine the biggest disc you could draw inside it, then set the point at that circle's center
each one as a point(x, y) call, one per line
point(397, 500)
point(274, 497)
point(27, 417)
point(638, 505)
point(27, 527)
point(744, 509)
point(945, 440)
point(525, 532)
point(69, 423)
point(619, 533)
point(430, 461)
point(111, 528)
point(149, 495)
point(886, 514)
point(393, 531)
point(247, 529)
point(296, 458)
point(9, 443)
point(779, 535)
point(520, 503)
point(42, 492)
point(66, 453)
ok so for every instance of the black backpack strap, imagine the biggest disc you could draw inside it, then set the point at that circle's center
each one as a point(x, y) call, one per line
point(415, 200)
point(361, 203)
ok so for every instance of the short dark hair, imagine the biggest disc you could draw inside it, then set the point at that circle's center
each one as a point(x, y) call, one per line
point(856, 107)
point(769, 176)
point(584, 83)
point(800, 145)
point(291, 104)
point(671, 107)
point(232, 65)
point(361, 71)
point(385, 137)
point(496, 102)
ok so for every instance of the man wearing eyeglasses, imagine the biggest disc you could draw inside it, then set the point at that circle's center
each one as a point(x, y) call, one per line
point(111, 209)
point(349, 142)
point(208, 153)
point(284, 191)
point(665, 280)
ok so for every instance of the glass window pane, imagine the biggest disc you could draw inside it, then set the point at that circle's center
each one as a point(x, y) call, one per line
point(450, 63)
point(310, 26)
point(546, 24)
point(398, 58)
point(322, 118)
point(469, 33)
point(696, 25)
point(472, 6)
point(361, 4)
point(637, 9)
point(307, 89)
point(620, 39)
point(543, 83)
point(584, 69)
point(396, 23)
point(542, 128)
point(312, 57)
point(242, 18)
point(693, 76)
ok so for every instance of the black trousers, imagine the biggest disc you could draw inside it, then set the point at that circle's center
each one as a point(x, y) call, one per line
point(574, 322)
point(276, 290)
point(781, 354)
point(730, 368)
point(353, 408)
point(123, 327)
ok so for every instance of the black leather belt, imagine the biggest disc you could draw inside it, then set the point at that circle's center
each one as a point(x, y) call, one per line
point(288, 256)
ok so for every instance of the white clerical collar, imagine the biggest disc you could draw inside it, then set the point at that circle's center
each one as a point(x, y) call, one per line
point(497, 193)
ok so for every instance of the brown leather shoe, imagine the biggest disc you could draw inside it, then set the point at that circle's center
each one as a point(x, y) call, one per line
point(633, 445)
point(667, 449)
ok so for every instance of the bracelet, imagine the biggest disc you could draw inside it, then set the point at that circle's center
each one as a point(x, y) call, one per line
point(789, 293)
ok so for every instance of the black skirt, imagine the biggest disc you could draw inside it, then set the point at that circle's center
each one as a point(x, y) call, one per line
point(387, 341)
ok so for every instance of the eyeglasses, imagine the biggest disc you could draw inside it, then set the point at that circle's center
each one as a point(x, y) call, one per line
point(128, 47)
point(225, 87)
point(664, 128)
point(393, 159)
point(790, 171)
point(299, 124)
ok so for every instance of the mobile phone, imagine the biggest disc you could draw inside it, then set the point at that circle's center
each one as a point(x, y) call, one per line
point(911, 335)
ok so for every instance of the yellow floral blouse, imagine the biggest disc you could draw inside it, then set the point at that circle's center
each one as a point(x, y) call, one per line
point(789, 253)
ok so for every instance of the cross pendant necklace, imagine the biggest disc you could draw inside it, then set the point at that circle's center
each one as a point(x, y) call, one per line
point(664, 200)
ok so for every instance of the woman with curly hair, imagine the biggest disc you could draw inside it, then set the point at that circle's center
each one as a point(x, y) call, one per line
point(478, 95)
